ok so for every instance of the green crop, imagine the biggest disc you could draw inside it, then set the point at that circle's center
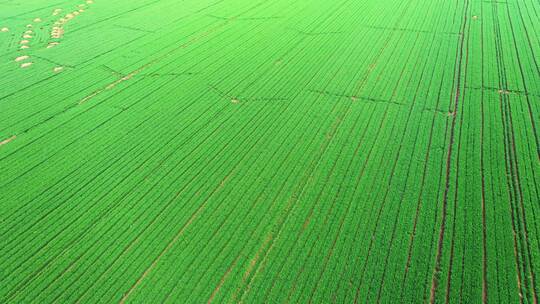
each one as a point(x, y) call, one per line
point(235, 151)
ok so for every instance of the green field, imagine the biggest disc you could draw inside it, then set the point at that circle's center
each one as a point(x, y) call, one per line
point(253, 151)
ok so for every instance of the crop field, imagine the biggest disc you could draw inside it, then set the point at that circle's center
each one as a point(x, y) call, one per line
point(254, 151)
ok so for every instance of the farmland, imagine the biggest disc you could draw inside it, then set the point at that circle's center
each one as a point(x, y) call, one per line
point(234, 151)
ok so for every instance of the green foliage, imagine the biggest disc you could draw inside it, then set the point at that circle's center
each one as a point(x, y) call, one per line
point(269, 151)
